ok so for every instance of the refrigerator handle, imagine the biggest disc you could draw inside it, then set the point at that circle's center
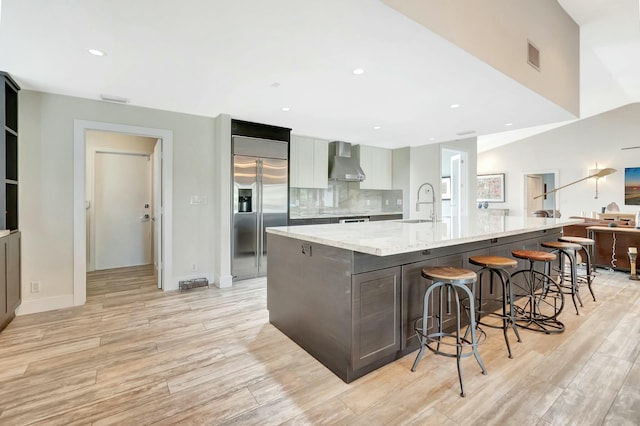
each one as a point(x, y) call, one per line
point(259, 221)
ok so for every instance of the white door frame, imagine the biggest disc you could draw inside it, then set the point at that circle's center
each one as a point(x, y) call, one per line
point(156, 214)
point(523, 187)
point(80, 128)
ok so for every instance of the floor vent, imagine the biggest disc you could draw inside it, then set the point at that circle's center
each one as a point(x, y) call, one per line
point(533, 55)
point(194, 283)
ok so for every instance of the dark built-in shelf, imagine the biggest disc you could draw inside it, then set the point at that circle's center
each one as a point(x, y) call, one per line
point(9, 153)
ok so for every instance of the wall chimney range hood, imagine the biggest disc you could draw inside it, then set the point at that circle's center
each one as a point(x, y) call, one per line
point(344, 163)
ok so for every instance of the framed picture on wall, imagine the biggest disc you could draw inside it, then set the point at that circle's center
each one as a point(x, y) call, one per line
point(632, 186)
point(446, 188)
point(491, 188)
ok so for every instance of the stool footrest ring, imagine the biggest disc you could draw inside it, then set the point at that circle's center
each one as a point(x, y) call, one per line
point(437, 339)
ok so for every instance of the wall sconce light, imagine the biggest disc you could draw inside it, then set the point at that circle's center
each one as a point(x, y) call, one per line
point(597, 173)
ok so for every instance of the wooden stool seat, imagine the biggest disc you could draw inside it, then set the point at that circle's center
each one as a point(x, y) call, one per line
point(578, 240)
point(561, 245)
point(449, 274)
point(541, 256)
point(493, 261)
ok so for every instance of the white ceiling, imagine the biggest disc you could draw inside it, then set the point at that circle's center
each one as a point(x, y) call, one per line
point(208, 57)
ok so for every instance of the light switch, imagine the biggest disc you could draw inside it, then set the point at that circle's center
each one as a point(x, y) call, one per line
point(197, 199)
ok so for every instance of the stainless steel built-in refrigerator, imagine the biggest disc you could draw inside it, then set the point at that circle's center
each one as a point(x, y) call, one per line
point(260, 197)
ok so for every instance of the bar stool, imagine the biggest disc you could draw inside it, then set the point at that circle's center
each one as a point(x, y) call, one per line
point(587, 245)
point(496, 266)
point(569, 250)
point(449, 281)
point(537, 298)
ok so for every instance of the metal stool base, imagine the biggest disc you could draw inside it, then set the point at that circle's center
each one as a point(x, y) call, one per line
point(462, 341)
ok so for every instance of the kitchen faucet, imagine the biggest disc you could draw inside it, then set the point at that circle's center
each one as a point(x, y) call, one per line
point(432, 202)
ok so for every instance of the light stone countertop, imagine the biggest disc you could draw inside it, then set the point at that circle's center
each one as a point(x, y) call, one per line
point(386, 238)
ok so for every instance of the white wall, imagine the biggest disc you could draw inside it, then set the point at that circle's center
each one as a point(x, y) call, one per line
point(573, 150)
point(46, 186)
point(222, 203)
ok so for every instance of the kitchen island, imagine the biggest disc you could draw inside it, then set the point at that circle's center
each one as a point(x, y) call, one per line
point(349, 293)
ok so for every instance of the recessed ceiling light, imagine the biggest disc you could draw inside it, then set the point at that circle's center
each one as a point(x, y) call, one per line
point(508, 124)
point(285, 109)
point(358, 71)
point(377, 127)
point(432, 139)
point(275, 84)
point(453, 106)
point(96, 52)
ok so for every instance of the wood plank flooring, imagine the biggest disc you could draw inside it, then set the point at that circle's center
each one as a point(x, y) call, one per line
point(134, 355)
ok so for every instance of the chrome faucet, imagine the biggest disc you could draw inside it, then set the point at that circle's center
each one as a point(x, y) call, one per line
point(432, 202)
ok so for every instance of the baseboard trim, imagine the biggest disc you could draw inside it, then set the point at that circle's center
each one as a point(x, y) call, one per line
point(34, 306)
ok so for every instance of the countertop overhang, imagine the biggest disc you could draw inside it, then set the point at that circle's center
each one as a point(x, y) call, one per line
point(387, 238)
point(338, 214)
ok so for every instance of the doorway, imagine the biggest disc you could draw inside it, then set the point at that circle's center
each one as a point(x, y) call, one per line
point(536, 184)
point(119, 199)
point(164, 140)
point(455, 202)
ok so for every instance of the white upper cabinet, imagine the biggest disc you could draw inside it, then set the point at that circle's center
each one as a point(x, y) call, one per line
point(320, 163)
point(377, 165)
point(308, 162)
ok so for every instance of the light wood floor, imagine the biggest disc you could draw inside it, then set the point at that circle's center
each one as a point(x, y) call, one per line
point(134, 355)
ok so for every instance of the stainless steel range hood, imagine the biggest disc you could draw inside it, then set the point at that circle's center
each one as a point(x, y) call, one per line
point(344, 163)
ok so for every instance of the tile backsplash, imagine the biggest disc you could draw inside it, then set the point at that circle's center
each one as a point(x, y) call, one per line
point(343, 198)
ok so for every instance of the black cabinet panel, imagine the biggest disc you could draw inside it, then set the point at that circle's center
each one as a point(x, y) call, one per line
point(376, 315)
point(10, 286)
point(378, 217)
point(13, 271)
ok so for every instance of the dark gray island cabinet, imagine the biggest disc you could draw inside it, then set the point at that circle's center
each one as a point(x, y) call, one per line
point(349, 294)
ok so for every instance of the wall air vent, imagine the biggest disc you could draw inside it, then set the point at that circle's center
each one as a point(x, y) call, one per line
point(116, 99)
point(533, 55)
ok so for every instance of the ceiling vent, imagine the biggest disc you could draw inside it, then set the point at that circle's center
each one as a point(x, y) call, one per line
point(533, 55)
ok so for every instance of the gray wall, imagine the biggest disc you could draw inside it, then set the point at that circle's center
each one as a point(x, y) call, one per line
point(46, 186)
point(413, 166)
